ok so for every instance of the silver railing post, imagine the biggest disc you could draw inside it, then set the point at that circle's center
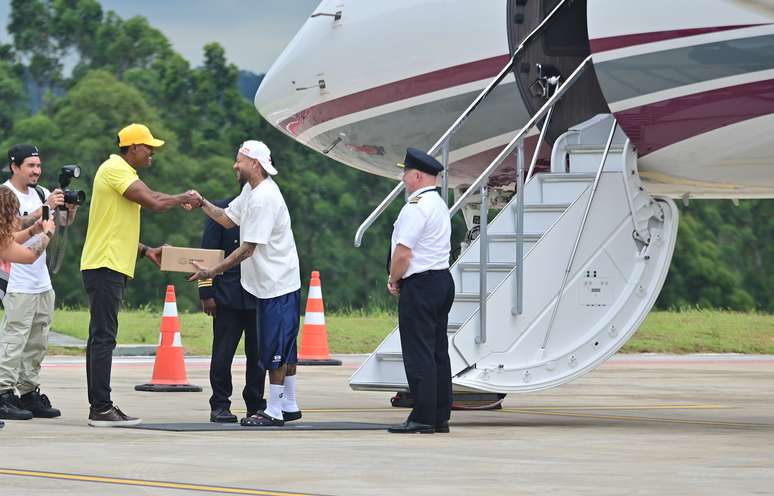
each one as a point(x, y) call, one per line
point(445, 179)
point(518, 309)
point(541, 139)
point(483, 258)
point(580, 234)
point(376, 213)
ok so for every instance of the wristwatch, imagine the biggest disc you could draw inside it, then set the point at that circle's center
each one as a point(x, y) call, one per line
point(143, 251)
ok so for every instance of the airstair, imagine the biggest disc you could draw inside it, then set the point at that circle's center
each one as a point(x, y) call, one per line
point(575, 315)
point(562, 276)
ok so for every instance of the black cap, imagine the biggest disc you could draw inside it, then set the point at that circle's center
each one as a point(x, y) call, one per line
point(421, 161)
point(17, 153)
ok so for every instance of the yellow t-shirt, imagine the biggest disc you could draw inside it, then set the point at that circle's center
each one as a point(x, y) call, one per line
point(114, 221)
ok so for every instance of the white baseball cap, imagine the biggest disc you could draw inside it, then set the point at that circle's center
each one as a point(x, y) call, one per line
point(260, 152)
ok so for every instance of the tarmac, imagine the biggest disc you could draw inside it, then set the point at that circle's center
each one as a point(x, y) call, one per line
point(639, 425)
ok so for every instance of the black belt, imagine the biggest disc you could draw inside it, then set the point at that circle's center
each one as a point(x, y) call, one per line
point(425, 273)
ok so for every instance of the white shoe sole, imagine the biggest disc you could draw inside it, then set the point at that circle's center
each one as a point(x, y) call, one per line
point(114, 423)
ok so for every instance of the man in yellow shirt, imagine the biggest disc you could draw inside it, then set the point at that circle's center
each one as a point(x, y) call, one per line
point(109, 255)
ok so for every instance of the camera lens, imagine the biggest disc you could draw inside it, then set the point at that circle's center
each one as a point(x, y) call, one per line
point(74, 197)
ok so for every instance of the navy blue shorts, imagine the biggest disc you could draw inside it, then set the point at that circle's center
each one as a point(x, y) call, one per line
point(278, 320)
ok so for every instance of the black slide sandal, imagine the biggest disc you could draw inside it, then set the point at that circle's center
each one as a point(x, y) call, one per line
point(261, 419)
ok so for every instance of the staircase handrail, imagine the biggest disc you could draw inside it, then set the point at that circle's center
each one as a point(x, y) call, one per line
point(446, 137)
point(484, 176)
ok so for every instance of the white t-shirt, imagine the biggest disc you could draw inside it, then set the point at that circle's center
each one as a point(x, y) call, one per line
point(423, 226)
point(263, 219)
point(29, 278)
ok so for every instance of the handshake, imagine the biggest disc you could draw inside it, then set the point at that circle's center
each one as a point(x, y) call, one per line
point(191, 199)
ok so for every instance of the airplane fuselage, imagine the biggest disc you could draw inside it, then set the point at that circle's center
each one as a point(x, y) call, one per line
point(691, 83)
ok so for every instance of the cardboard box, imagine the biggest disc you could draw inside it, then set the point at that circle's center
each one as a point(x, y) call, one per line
point(176, 259)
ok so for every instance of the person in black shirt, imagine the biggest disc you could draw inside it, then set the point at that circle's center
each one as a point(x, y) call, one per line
point(233, 312)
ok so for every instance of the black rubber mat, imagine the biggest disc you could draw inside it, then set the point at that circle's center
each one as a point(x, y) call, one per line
point(290, 426)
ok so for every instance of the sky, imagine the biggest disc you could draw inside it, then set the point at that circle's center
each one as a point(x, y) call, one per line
point(253, 32)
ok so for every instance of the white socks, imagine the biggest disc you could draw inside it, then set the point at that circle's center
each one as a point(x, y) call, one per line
point(282, 398)
point(289, 398)
point(275, 404)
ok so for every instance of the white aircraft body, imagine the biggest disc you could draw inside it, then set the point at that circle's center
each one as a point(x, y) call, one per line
point(689, 83)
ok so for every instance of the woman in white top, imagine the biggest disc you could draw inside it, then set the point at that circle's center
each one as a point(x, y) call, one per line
point(11, 238)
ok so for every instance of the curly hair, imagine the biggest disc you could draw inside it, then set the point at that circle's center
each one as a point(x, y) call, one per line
point(9, 211)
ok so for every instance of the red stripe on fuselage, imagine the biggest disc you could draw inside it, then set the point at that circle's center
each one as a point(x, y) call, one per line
point(393, 92)
point(667, 122)
point(613, 42)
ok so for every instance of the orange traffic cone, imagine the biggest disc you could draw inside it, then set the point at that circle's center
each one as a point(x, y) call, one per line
point(314, 337)
point(169, 367)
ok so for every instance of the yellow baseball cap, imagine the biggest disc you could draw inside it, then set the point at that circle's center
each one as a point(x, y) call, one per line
point(137, 134)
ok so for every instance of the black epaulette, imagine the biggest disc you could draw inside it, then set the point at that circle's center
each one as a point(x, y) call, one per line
point(415, 200)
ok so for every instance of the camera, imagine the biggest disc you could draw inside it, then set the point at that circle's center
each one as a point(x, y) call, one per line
point(71, 196)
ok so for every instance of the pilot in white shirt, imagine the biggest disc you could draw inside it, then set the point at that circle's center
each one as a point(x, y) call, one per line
point(419, 275)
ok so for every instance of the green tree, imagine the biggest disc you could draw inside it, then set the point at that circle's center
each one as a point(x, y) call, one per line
point(12, 96)
point(703, 271)
point(126, 71)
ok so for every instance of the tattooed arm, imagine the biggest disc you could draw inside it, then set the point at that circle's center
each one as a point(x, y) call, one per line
point(16, 253)
point(29, 219)
point(54, 200)
point(237, 256)
point(25, 234)
point(212, 211)
point(39, 245)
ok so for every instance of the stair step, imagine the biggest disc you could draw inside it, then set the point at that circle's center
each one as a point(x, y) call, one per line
point(502, 246)
point(563, 188)
point(511, 238)
point(542, 207)
point(389, 356)
point(490, 267)
point(592, 149)
point(466, 297)
point(557, 177)
point(538, 217)
point(396, 356)
point(587, 158)
point(469, 274)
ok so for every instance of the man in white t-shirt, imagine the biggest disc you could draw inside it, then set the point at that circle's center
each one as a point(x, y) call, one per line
point(270, 271)
point(29, 298)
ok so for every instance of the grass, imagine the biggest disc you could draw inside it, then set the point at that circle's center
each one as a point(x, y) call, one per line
point(353, 332)
point(690, 331)
point(704, 331)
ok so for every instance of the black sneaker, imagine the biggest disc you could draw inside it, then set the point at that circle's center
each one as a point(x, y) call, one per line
point(223, 416)
point(38, 404)
point(10, 409)
point(442, 427)
point(112, 417)
point(2, 424)
point(291, 416)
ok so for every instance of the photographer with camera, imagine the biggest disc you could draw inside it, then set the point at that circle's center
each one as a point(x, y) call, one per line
point(110, 253)
point(29, 297)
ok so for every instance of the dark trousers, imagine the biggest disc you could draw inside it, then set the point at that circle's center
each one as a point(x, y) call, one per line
point(227, 327)
point(423, 317)
point(105, 289)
